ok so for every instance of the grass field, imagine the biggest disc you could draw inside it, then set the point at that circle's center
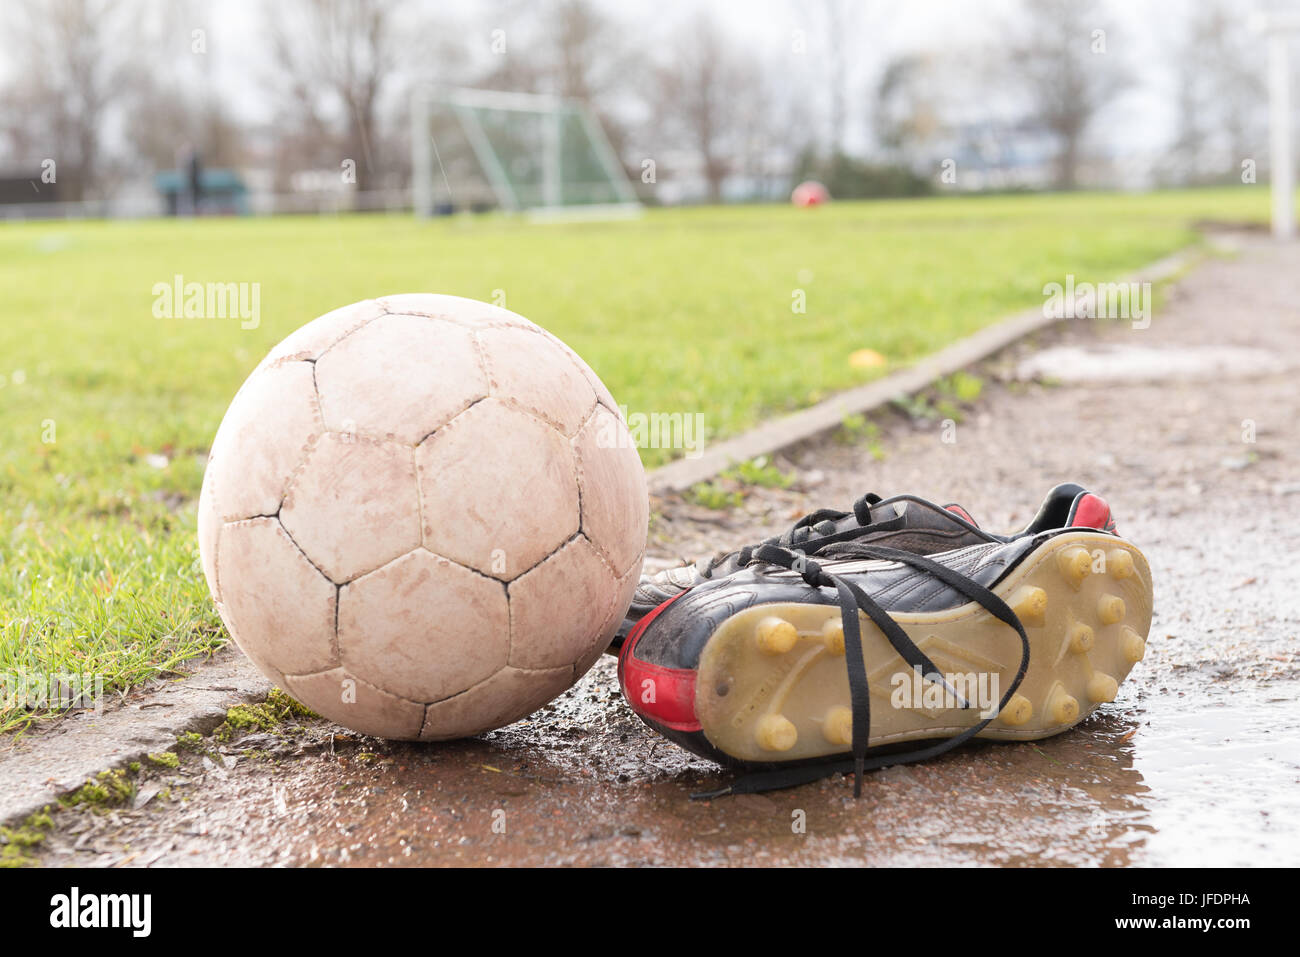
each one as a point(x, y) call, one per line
point(107, 411)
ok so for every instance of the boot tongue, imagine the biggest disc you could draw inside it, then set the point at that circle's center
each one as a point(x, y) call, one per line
point(888, 511)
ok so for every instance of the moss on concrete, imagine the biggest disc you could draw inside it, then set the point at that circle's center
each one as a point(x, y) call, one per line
point(264, 716)
point(17, 843)
point(107, 789)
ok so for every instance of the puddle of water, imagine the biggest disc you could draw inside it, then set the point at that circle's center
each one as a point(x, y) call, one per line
point(1221, 782)
point(1108, 363)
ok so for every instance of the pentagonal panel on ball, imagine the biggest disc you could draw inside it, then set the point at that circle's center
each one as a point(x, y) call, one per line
point(423, 627)
point(615, 506)
point(510, 694)
point(558, 608)
point(353, 505)
point(532, 371)
point(262, 438)
point(281, 610)
point(499, 490)
point(399, 377)
point(356, 704)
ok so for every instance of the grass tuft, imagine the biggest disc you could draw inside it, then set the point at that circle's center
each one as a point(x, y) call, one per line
point(759, 472)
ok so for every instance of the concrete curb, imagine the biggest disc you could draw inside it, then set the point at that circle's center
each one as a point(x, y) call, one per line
point(46, 763)
point(789, 430)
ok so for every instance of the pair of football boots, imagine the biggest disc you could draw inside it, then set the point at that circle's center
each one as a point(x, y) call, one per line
point(887, 634)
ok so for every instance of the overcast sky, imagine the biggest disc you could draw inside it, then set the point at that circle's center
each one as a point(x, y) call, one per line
point(1144, 31)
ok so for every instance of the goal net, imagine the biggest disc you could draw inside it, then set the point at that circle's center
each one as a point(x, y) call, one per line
point(473, 149)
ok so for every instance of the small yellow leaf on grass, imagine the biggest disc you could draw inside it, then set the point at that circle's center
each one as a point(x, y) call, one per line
point(866, 359)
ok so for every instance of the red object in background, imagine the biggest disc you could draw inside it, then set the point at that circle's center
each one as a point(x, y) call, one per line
point(810, 193)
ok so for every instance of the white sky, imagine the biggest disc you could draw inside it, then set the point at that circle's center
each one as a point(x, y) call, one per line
point(1140, 29)
point(240, 62)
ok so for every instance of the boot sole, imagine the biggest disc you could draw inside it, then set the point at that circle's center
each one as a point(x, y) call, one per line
point(773, 685)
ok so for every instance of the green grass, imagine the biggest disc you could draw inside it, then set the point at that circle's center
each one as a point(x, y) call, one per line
point(106, 412)
point(759, 472)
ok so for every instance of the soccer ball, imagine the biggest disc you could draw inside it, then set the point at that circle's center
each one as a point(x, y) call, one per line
point(810, 193)
point(423, 517)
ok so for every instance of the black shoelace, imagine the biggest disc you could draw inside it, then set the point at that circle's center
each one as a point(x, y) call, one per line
point(852, 599)
point(811, 534)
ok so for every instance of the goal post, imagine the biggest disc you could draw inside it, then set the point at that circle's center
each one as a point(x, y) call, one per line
point(522, 152)
point(1279, 29)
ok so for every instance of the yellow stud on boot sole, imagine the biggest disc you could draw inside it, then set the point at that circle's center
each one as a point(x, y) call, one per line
point(1062, 707)
point(1030, 604)
point(1110, 609)
point(1018, 710)
point(1120, 564)
point(838, 726)
point(1081, 638)
point(833, 636)
point(1075, 564)
point(776, 733)
point(776, 636)
point(1102, 687)
point(1132, 646)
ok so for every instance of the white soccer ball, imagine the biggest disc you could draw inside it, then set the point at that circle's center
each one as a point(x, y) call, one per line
point(423, 517)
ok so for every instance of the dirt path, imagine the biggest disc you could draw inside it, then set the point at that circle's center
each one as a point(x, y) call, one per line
point(1197, 761)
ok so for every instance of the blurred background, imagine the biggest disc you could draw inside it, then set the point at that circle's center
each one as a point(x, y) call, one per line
point(310, 105)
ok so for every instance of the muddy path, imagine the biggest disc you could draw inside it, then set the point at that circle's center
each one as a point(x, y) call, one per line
point(1197, 762)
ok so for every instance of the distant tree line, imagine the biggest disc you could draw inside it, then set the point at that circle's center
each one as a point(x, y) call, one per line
point(114, 88)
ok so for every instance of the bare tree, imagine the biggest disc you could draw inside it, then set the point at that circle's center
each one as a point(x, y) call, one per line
point(571, 48)
point(1059, 57)
point(70, 58)
point(585, 46)
point(568, 47)
point(162, 117)
point(171, 99)
point(703, 95)
point(840, 20)
point(908, 106)
point(512, 32)
point(335, 57)
point(591, 61)
point(1219, 95)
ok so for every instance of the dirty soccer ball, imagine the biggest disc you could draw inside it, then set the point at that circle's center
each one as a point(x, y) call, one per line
point(423, 517)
